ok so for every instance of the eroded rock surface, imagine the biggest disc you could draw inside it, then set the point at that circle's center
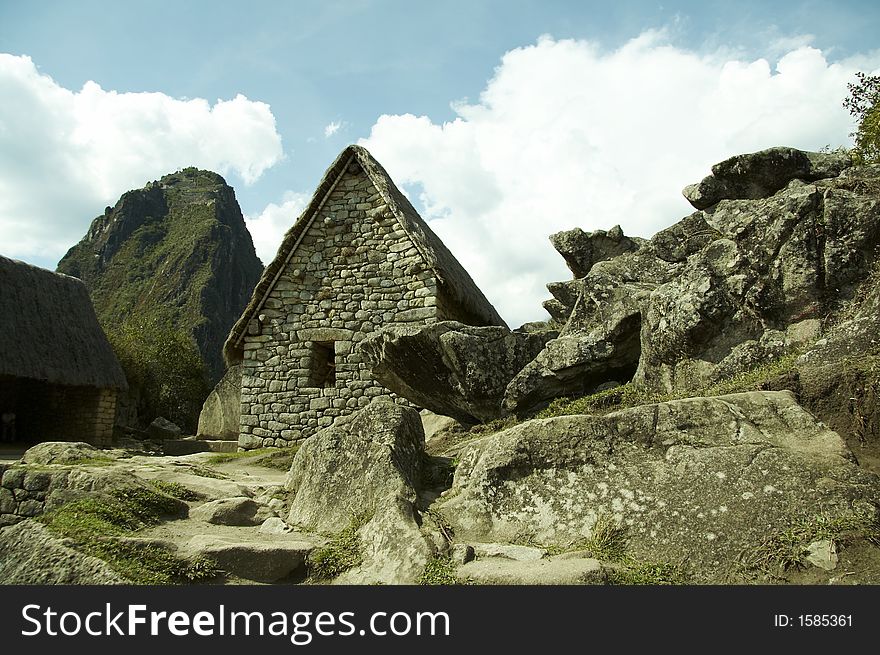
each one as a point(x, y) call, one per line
point(583, 249)
point(450, 368)
point(699, 480)
point(30, 554)
point(761, 174)
point(221, 412)
point(783, 237)
point(366, 467)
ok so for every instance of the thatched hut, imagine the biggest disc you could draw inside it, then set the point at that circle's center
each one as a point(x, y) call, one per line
point(58, 374)
point(359, 258)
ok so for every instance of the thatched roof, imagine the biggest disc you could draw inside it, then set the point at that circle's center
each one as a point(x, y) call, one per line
point(49, 331)
point(450, 274)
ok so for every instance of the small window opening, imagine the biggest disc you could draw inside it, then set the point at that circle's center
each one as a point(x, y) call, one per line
point(323, 369)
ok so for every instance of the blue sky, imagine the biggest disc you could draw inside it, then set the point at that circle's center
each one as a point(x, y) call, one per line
point(457, 99)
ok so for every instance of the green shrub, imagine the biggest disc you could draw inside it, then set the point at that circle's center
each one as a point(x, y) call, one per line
point(863, 104)
point(164, 369)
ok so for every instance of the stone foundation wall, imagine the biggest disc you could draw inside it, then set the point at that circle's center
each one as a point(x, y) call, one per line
point(88, 415)
point(22, 493)
point(355, 271)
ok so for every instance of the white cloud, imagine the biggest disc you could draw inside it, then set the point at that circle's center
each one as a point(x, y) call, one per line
point(66, 154)
point(268, 227)
point(332, 128)
point(565, 135)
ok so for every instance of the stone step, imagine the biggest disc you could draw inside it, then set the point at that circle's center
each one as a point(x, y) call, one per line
point(190, 446)
point(259, 561)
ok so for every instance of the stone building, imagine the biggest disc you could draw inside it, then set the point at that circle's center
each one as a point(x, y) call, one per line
point(358, 258)
point(58, 374)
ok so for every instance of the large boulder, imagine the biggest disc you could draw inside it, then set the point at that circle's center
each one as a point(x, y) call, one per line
point(586, 354)
point(450, 368)
point(30, 555)
point(219, 418)
point(161, 428)
point(759, 461)
point(239, 510)
point(367, 467)
point(62, 452)
point(761, 174)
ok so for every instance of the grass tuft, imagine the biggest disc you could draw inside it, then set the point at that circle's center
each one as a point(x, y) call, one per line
point(439, 571)
point(176, 490)
point(274, 458)
point(608, 540)
point(342, 553)
point(97, 527)
point(787, 549)
point(635, 572)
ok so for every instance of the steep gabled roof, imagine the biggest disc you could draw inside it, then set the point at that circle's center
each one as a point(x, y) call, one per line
point(49, 331)
point(449, 272)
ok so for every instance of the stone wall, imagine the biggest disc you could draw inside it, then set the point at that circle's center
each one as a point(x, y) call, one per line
point(53, 412)
point(89, 415)
point(354, 271)
point(22, 493)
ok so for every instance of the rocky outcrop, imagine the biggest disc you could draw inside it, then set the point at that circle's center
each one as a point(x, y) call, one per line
point(220, 415)
point(784, 236)
point(450, 368)
point(30, 555)
point(179, 246)
point(699, 480)
point(365, 470)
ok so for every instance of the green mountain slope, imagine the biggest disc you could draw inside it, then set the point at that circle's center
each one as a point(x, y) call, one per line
point(177, 249)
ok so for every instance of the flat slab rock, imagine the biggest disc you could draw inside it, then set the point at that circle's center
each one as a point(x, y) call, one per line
point(261, 561)
point(502, 571)
point(509, 551)
point(701, 479)
point(210, 488)
point(450, 368)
